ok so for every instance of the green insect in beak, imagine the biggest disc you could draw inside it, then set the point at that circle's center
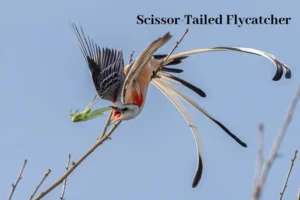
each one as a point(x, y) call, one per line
point(87, 114)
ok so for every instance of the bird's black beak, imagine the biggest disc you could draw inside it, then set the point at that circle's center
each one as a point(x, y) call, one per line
point(114, 107)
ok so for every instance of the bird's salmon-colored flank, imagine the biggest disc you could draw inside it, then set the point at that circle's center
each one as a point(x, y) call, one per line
point(138, 98)
point(143, 81)
point(137, 91)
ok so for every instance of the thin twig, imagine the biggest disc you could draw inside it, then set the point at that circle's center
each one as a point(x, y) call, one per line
point(176, 45)
point(261, 148)
point(14, 185)
point(41, 182)
point(260, 159)
point(276, 145)
point(130, 58)
point(288, 176)
point(298, 195)
point(281, 135)
point(65, 181)
point(106, 125)
point(76, 164)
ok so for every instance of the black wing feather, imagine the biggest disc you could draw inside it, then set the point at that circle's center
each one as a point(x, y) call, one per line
point(106, 65)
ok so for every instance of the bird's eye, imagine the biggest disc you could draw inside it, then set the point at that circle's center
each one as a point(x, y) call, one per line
point(125, 109)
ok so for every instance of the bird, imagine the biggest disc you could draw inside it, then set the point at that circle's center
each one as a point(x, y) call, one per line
point(126, 87)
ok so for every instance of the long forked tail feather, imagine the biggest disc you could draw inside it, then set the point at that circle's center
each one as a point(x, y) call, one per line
point(171, 70)
point(194, 104)
point(279, 64)
point(177, 103)
point(174, 61)
point(192, 87)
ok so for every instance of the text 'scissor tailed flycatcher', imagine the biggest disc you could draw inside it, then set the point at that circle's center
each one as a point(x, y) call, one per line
point(126, 87)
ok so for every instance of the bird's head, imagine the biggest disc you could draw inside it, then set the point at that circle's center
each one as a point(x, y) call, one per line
point(124, 112)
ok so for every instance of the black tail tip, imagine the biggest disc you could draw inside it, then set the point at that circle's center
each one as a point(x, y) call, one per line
point(244, 144)
point(195, 183)
point(288, 74)
point(171, 70)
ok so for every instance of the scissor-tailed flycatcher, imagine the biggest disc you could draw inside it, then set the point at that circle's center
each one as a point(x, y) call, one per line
point(126, 87)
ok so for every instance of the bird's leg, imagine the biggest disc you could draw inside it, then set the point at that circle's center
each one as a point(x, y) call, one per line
point(92, 103)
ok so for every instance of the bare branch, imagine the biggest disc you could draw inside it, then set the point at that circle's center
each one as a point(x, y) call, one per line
point(298, 196)
point(281, 135)
point(65, 181)
point(260, 158)
point(76, 164)
point(41, 182)
point(288, 176)
point(259, 164)
point(14, 185)
point(276, 145)
point(176, 45)
point(106, 125)
point(130, 58)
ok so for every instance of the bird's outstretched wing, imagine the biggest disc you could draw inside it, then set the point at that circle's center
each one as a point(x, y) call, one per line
point(281, 67)
point(106, 66)
point(138, 65)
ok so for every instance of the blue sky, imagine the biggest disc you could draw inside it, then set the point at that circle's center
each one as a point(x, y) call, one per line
point(43, 76)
